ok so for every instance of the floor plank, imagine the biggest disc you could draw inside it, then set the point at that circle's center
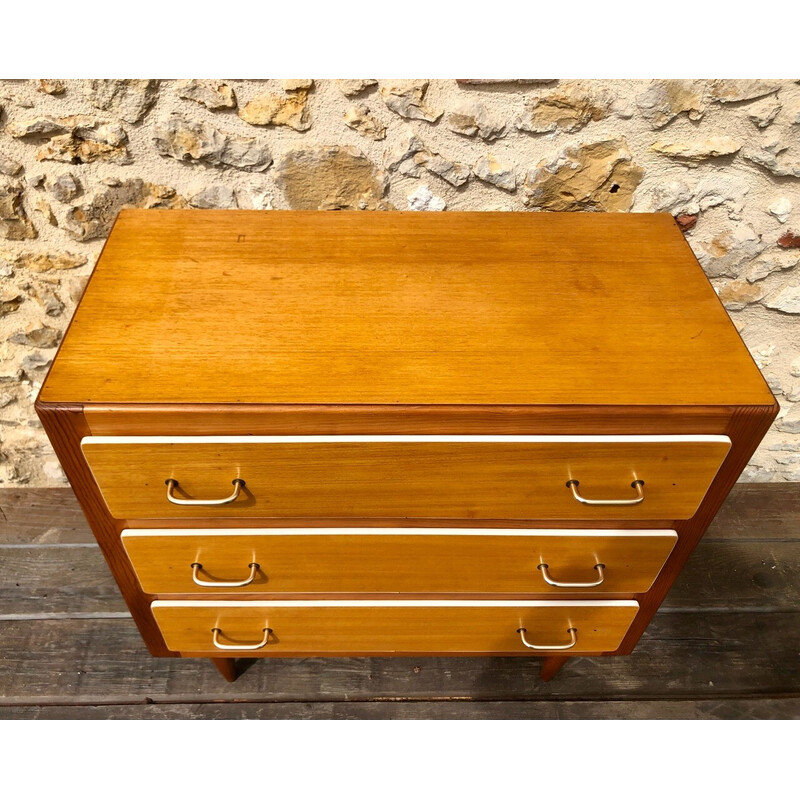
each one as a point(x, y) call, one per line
point(733, 574)
point(758, 511)
point(65, 579)
point(29, 516)
point(736, 708)
point(681, 656)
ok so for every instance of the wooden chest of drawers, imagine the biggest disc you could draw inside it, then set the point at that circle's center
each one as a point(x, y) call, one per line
point(315, 433)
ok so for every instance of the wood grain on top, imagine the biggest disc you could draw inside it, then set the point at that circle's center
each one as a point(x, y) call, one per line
point(401, 308)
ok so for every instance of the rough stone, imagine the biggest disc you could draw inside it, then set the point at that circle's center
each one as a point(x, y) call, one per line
point(790, 423)
point(786, 300)
point(214, 95)
point(42, 206)
point(36, 335)
point(184, 140)
point(662, 101)
point(407, 98)
point(9, 166)
point(737, 295)
point(791, 111)
point(739, 91)
point(723, 254)
point(490, 170)
point(401, 156)
point(34, 362)
point(9, 302)
point(43, 261)
point(127, 99)
point(65, 187)
point(215, 196)
point(455, 173)
point(353, 87)
point(757, 473)
point(780, 208)
point(684, 197)
point(697, 150)
point(43, 126)
point(594, 177)
point(78, 139)
point(360, 120)
point(762, 113)
point(14, 222)
point(50, 86)
point(794, 368)
point(297, 84)
point(331, 178)
point(423, 199)
point(774, 155)
point(789, 240)
point(686, 221)
point(409, 156)
point(793, 395)
point(94, 219)
point(567, 108)
point(45, 295)
point(774, 382)
point(769, 263)
point(290, 109)
point(473, 119)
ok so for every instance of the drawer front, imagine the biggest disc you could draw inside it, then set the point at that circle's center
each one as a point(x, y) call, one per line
point(446, 477)
point(411, 560)
point(393, 626)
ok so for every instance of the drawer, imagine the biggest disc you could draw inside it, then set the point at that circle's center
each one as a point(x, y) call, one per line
point(393, 626)
point(368, 477)
point(410, 560)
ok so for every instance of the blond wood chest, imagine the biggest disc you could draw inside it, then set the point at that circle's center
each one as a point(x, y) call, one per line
point(316, 433)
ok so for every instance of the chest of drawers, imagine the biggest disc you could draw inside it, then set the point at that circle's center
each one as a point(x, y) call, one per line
point(316, 433)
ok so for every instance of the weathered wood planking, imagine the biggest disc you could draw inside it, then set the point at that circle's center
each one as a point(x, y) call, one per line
point(735, 708)
point(41, 516)
point(682, 656)
point(758, 511)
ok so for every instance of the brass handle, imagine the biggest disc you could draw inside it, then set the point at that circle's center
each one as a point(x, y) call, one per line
point(562, 585)
point(637, 484)
point(172, 483)
point(232, 584)
point(262, 643)
point(573, 633)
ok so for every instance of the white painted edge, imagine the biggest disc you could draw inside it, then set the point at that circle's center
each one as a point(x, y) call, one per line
point(347, 438)
point(130, 533)
point(208, 604)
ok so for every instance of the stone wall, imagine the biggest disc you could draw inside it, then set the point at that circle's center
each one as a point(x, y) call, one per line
point(722, 156)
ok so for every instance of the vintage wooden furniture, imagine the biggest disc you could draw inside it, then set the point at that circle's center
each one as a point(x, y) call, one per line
point(316, 433)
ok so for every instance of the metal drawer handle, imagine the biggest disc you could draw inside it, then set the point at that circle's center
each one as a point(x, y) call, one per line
point(573, 633)
point(232, 584)
point(637, 484)
point(172, 483)
point(262, 643)
point(562, 585)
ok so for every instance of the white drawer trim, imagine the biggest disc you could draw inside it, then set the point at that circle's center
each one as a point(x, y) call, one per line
point(369, 531)
point(393, 603)
point(444, 438)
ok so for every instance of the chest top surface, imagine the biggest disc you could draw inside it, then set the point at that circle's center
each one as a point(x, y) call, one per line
point(407, 308)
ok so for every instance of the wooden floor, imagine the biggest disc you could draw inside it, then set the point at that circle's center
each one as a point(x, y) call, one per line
point(726, 643)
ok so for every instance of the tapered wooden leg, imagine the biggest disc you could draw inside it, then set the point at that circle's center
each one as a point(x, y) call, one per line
point(226, 667)
point(550, 666)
